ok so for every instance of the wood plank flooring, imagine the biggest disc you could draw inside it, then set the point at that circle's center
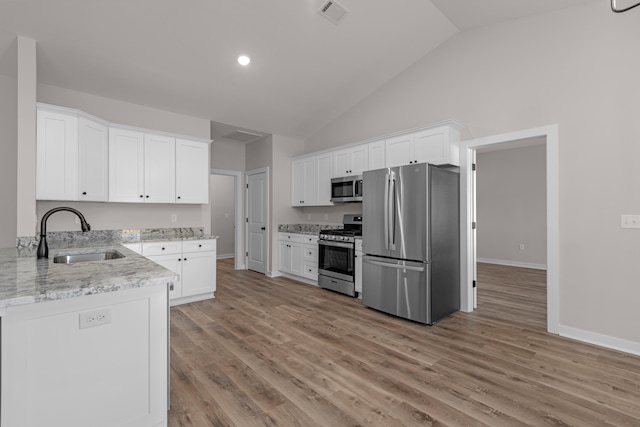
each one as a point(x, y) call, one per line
point(276, 352)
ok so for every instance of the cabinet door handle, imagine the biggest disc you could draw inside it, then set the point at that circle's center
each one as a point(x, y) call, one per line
point(178, 197)
point(84, 193)
point(141, 196)
point(185, 259)
point(199, 246)
point(179, 259)
point(147, 196)
point(163, 249)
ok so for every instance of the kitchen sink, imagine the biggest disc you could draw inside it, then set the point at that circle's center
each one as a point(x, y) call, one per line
point(85, 257)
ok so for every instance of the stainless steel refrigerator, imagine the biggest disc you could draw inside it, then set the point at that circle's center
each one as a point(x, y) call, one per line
point(411, 241)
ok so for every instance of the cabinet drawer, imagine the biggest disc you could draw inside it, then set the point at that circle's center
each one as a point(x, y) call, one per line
point(310, 253)
point(199, 245)
point(311, 239)
point(162, 248)
point(291, 237)
point(310, 270)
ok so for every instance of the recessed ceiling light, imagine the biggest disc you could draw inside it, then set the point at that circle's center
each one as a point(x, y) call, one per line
point(243, 60)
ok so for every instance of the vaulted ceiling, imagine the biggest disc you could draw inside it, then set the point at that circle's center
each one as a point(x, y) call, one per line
point(181, 55)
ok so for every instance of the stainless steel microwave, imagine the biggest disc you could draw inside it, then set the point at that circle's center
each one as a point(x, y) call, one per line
point(346, 189)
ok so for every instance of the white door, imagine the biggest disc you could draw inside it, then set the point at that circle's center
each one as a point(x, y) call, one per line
point(257, 220)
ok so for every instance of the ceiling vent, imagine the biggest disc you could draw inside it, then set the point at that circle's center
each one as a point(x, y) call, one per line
point(243, 136)
point(333, 11)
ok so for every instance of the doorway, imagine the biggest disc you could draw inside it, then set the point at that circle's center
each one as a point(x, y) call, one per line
point(226, 187)
point(468, 154)
point(257, 220)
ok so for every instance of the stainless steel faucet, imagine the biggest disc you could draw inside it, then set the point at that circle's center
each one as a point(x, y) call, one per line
point(43, 248)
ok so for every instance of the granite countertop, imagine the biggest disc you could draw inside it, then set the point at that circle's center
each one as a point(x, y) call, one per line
point(27, 280)
point(307, 228)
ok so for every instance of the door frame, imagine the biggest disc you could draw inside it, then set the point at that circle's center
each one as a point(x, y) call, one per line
point(237, 190)
point(467, 151)
point(246, 223)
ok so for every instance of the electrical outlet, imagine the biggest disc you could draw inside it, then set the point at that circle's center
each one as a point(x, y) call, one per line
point(89, 319)
point(326, 217)
point(174, 217)
point(629, 221)
point(522, 246)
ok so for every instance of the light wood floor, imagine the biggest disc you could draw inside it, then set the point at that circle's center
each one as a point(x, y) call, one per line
point(276, 352)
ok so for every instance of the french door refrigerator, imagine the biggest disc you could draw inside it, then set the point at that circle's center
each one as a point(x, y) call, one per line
point(411, 241)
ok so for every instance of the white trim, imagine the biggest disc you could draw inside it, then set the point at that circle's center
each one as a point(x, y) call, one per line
point(225, 256)
point(553, 214)
point(237, 186)
point(246, 225)
point(600, 339)
point(512, 263)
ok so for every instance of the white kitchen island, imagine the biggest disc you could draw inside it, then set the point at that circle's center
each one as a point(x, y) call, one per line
point(84, 344)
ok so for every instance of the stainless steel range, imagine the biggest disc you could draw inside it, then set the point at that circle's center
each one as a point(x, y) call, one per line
point(336, 256)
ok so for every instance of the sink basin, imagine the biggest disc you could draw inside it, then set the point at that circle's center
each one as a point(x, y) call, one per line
point(92, 256)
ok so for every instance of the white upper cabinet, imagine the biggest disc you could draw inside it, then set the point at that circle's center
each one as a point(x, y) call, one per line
point(377, 155)
point(304, 182)
point(81, 157)
point(437, 145)
point(351, 161)
point(311, 180)
point(324, 164)
point(159, 169)
point(56, 155)
point(400, 150)
point(141, 167)
point(126, 166)
point(93, 160)
point(192, 172)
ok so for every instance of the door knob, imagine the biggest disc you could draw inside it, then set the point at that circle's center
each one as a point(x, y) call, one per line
point(263, 228)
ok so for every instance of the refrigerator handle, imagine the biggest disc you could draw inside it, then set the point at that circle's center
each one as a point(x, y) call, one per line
point(396, 266)
point(392, 212)
point(386, 211)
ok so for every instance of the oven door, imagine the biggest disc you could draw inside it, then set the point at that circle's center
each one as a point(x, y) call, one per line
point(336, 259)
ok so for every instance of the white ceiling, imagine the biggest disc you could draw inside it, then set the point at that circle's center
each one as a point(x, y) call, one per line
point(181, 55)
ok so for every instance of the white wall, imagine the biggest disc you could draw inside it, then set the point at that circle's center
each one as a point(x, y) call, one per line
point(106, 216)
point(228, 155)
point(578, 68)
point(222, 199)
point(8, 160)
point(511, 206)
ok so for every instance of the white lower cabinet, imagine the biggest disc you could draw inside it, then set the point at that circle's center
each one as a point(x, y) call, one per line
point(60, 371)
point(298, 255)
point(194, 261)
point(290, 257)
point(310, 257)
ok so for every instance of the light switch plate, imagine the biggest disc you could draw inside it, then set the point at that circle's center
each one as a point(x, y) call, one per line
point(629, 221)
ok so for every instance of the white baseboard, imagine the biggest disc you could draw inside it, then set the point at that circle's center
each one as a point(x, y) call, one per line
point(600, 340)
point(513, 263)
point(224, 256)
